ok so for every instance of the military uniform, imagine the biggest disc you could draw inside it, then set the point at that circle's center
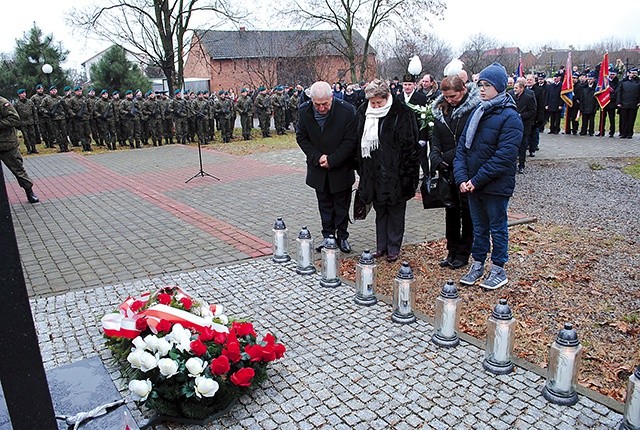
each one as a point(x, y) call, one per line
point(244, 107)
point(212, 116)
point(263, 109)
point(9, 152)
point(179, 110)
point(167, 119)
point(80, 114)
point(93, 125)
point(223, 109)
point(279, 104)
point(71, 129)
point(129, 116)
point(103, 114)
point(28, 121)
point(201, 108)
point(54, 110)
point(151, 110)
point(42, 132)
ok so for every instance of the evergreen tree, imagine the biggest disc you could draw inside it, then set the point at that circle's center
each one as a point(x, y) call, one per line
point(115, 72)
point(24, 68)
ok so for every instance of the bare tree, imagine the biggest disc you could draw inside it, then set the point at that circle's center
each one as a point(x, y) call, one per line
point(156, 28)
point(348, 16)
point(474, 52)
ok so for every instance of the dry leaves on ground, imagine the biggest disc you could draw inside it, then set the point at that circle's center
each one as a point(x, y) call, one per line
point(557, 274)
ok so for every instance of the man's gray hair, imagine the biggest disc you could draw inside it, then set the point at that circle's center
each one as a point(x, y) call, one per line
point(377, 88)
point(320, 90)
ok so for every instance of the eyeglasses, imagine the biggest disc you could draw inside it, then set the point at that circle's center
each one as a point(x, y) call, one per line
point(485, 85)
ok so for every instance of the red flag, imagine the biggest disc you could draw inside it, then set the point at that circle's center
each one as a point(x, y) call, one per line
point(567, 85)
point(603, 91)
point(520, 69)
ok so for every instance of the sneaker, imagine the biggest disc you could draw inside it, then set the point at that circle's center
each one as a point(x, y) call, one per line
point(474, 274)
point(496, 279)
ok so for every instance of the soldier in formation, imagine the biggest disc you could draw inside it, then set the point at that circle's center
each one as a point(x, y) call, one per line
point(28, 120)
point(263, 110)
point(244, 107)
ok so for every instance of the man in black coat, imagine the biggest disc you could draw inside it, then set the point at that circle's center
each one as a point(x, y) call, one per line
point(628, 99)
point(326, 133)
point(539, 88)
point(411, 95)
point(553, 103)
point(527, 108)
point(588, 105)
point(609, 111)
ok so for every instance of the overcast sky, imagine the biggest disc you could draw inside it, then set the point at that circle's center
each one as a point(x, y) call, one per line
point(509, 22)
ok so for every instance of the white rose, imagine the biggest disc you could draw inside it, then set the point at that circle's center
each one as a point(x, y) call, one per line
point(152, 341)
point(140, 389)
point(168, 367)
point(134, 358)
point(181, 337)
point(223, 319)
point(195, 366)
point(430, 123)
point(205, 312)
point(162, 347)
point(139, 343)
point(147, 361)
point(206, 387)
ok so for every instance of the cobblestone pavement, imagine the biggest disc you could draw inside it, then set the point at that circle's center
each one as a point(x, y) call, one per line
point(126, 221)
point(346, 366)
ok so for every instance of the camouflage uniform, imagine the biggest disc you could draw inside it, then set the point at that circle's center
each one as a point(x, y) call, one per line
point(129, 116)
point(103, 117)
point(245, 108)
point(292, 104)
point(79, 111)
point(167, 120)
point(151, 109)
point(71, 130)
point(139, 122)
point(42, 130)
point(223, 109)
point(191, 117)
point(179, 110)
point(117, 120)
point(263, 109)
point(28, 121)
point(201, 108)
point(53, 108)
point(93, 125)
point(9, 152)
point(212, 116)
point(279, 104)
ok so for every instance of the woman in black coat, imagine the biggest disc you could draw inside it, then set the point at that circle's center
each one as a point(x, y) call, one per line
point(388, 163)
point(451, 109)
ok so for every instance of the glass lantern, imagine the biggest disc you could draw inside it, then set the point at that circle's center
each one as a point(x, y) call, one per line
point(404, 296)
point(366, 279)
point(631, 417)
point(280, 242)
point(305, 253)
point(447, 317)
point(500, 335)
point(563, 367)
point(330, 263)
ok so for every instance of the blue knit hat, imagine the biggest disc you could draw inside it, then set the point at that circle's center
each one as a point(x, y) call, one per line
point(496, 75)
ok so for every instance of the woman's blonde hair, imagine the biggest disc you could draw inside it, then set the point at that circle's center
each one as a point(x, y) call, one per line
point(377, 88)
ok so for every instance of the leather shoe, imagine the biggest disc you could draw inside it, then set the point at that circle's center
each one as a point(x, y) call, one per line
point(447, 261)
point(458, 263)
point(344, 246)
point(379, 254)
point(392, 258)
point(520, 169)
point(32, 197)
point(322, 244)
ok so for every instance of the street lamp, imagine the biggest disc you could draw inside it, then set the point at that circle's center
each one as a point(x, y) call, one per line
point(47, 69)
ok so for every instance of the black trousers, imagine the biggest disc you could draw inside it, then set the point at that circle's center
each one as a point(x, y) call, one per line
point(390, 227)
point(554, 122)
point(522, 151)
point(334, 212)
point(459, 231)
point(627, 119)
point(611, 113)
point(587, 123)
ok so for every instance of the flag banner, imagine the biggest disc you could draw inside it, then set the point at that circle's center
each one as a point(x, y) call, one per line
point(567, 84)
point(520, 69)
point(603, 91)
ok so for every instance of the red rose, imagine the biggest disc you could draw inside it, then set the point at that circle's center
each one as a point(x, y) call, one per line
point(243, 377)
point(220, 365)
point(163, 326)
point(198, 347)
point(186, 302)
point(219, 337)
point(137, 305)
point(279, 350)
point(231, 337)
point(206, 334)
point(141, 324)
point(269, 338)
point(268, 352)
point(232, 352)
point(254, 351)
point(164, 298)
point(243, 329)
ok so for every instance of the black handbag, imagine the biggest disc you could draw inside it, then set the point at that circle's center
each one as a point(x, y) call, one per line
point(360, 209)
point(437, 191)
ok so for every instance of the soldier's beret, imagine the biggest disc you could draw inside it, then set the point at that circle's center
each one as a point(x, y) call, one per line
point(199, 93)
point(128, 92)
point(613, 70)
point(22, 90)
point(92, 90)
point(221, 92)
point(77, 88)
point(53, 87)
point(149, 92)
point(39, 86)
point(138, 91)
point(279, 88)
point(67, 88)
point(115, 92)
point(104, 92)
point(262, 88)
point(205, 92)
point(244, 90)
point(591, 75)
point(177, 91)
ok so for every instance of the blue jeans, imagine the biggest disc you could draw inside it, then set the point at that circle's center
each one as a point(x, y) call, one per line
point(489, 217)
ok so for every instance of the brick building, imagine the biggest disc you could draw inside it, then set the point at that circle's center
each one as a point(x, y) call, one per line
point(236, 59)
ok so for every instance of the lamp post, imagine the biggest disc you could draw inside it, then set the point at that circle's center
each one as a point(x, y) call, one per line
point(631, 418)
point(366, 279)
point(280, 242)
point(564, 362)
point(500, 333)
point(305, 251)
point(47, 69)
point(415, 67)
point(404, 296)
point(447, 317)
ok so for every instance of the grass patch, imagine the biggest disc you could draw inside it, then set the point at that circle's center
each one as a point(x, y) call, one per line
point(633, 169)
